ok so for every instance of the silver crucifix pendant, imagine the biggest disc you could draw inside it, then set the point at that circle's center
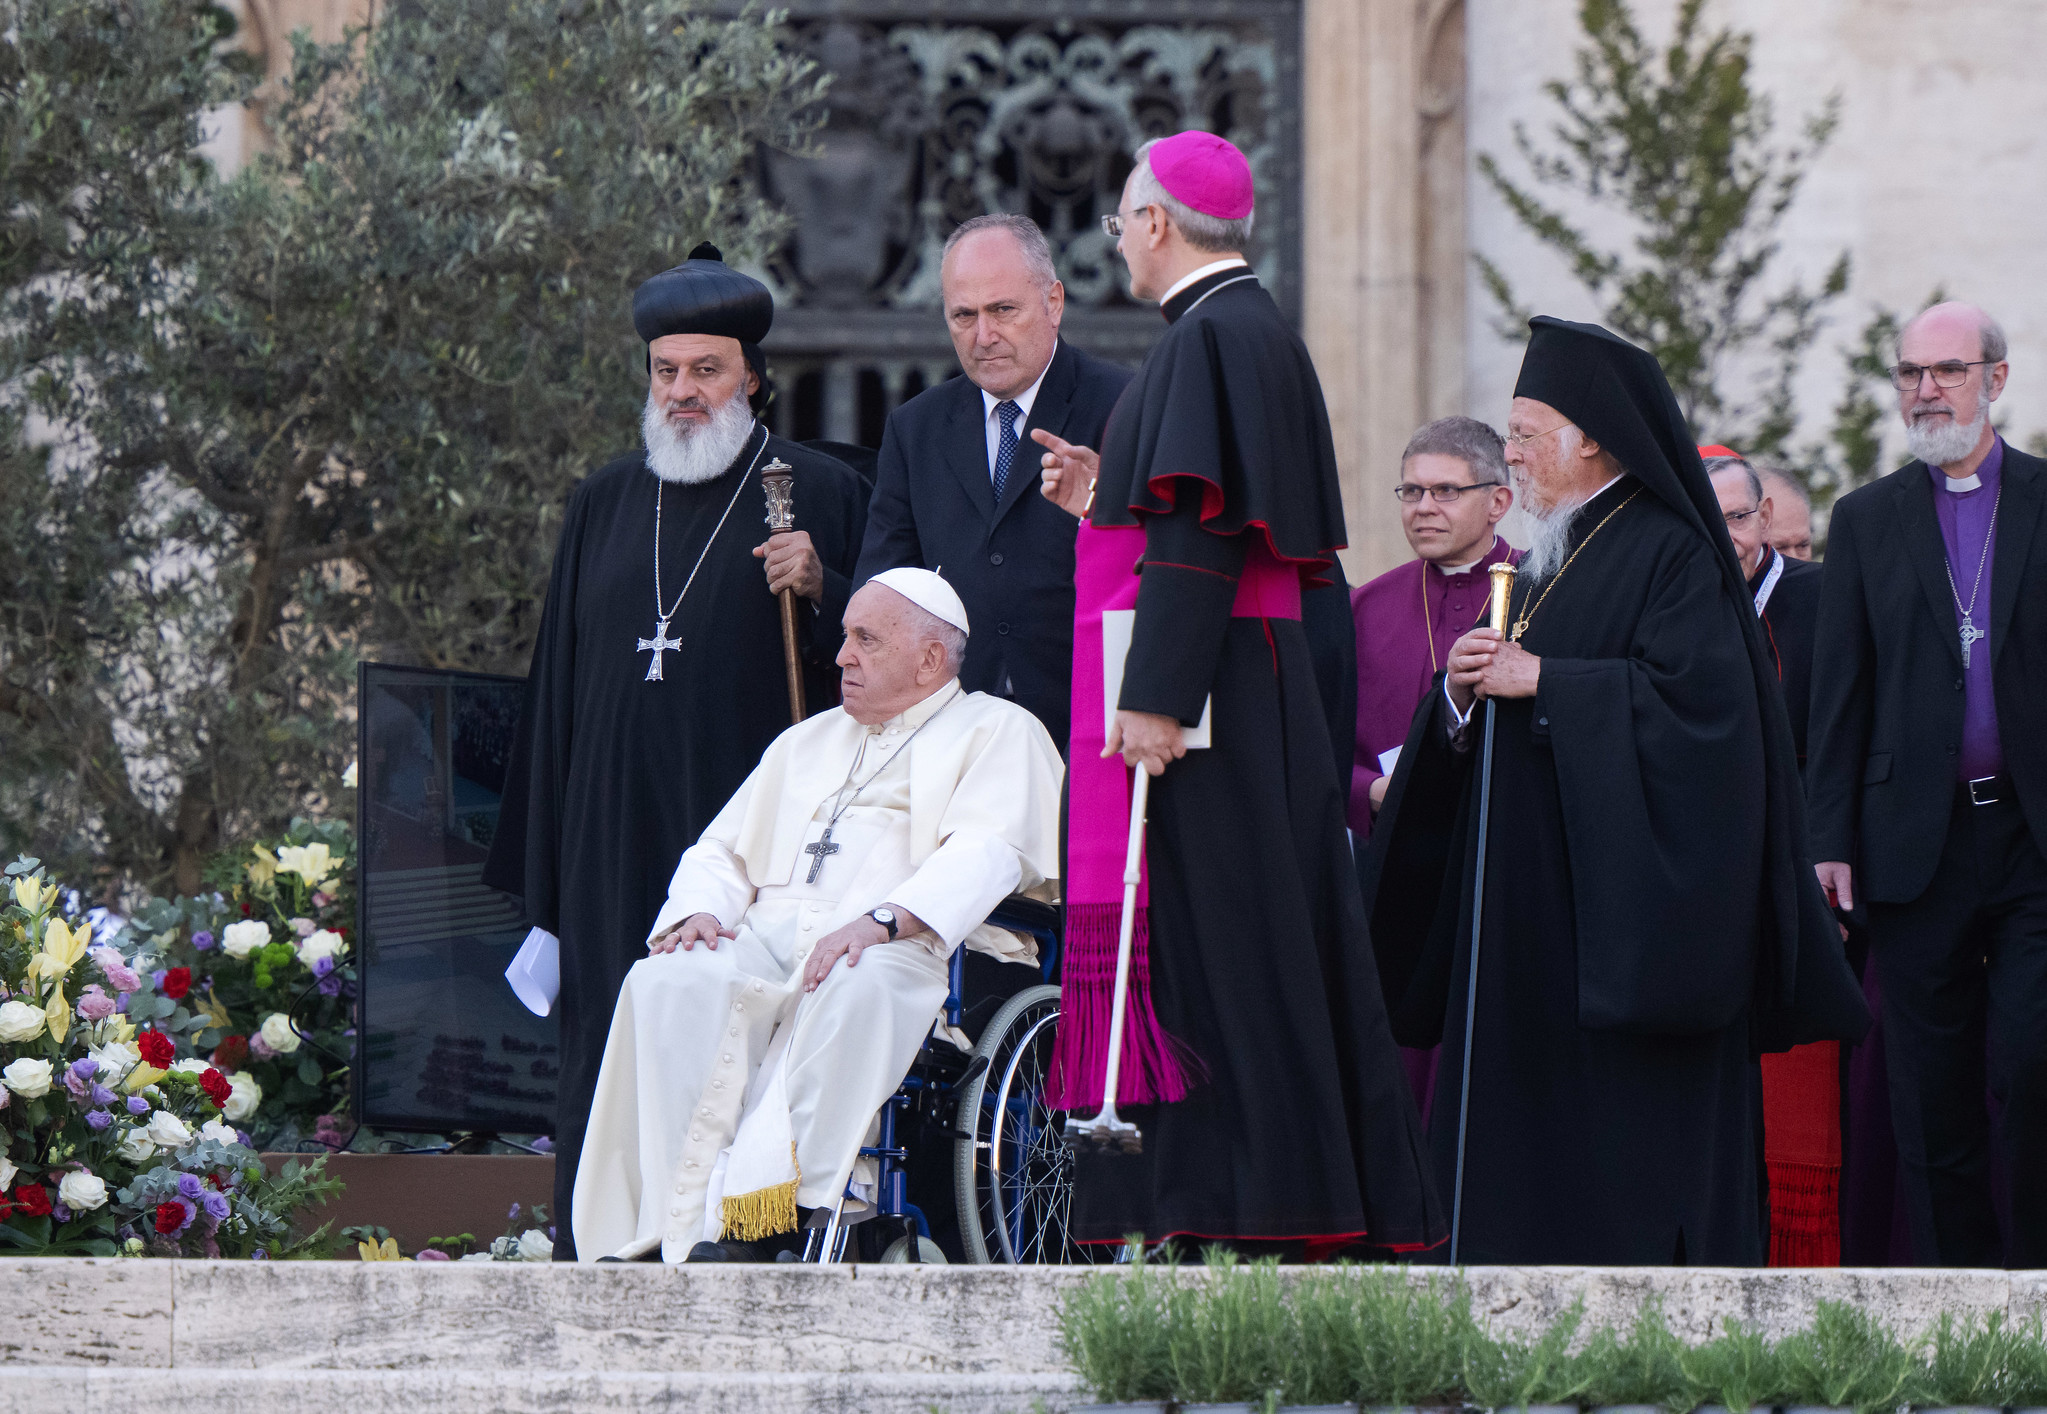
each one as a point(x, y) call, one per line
point(1970, 633)
point(817, 851)
point(662, 643)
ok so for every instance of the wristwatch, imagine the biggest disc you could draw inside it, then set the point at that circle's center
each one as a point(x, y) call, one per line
point(886, 917)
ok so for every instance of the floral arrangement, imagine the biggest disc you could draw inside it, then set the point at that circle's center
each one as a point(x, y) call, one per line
point(262, 968)
point(108, 1142)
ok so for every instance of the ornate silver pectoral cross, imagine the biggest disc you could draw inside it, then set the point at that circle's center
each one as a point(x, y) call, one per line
point(817, 850)
point(660, 643)
point(1970, 633)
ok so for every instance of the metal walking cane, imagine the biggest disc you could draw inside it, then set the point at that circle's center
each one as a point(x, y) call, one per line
point(1503, 590)
point(1107, 1128)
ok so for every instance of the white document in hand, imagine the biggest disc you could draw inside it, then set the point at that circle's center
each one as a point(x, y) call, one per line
point(1388, 759)
point(535, 974)
point(1117, 627)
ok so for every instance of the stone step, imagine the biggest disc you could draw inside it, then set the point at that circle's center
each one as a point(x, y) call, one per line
point(38, 1390)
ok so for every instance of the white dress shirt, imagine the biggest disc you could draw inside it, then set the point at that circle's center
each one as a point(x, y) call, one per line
point(1234, 262)
point(991, 423)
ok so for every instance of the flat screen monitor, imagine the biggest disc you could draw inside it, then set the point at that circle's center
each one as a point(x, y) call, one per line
point(442, 1044)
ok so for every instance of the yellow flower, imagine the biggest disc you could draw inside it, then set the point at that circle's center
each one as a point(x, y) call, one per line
point(116, 1028)
point(142, 1077)
point(62, 947)
point(30, 891)
point(211, 1007)
point(373, 1252)
point(314, 863)
point(58, 1013)
point(264, 869)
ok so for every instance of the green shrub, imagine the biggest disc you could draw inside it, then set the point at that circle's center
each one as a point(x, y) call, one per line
point(2028, 1363)
point(1228, 1332)
point(1970, 1362)
point(1740, 1368)
point(1113, 1327)
point(1645, 1368)
point(1849, 1359)
point(1512, 1373)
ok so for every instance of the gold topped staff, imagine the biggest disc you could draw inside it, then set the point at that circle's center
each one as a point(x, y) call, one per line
point(1496, 619)
point(778, 483)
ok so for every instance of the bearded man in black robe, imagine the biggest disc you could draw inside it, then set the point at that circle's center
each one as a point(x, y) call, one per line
point(1278, 1112)
point(658, 677)
point(1650, 922)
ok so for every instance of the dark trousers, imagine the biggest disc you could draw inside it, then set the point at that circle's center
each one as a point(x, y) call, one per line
point(1964, 975)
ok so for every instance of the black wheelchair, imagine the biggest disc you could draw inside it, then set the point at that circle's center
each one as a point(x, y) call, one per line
point(969, 1130)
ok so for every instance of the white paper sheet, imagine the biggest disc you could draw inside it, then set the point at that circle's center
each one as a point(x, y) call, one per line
point(1388, 759)
point(1117, 627)
point(536, 972)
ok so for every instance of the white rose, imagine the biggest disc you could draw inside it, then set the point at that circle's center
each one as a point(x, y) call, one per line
point(323, 943)
point(191, 1065)
point(6, 1173)
point(136, 1146)
point(278, 1035)
point(243, 1096)
point(27, 1078)
point(535, 1246)
point(116, 1059)
point(219, 1131)
point(167, 1131)
point(20, 1022)
point(241, 939)
point(81, 1192)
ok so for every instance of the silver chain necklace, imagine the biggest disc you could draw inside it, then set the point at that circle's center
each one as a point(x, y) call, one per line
point(1970, 633)
point(823, 846)
point(661, 643)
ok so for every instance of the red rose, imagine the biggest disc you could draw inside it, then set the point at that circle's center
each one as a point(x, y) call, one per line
point(176, 983)
point(33, 1199)
point(216, 1087)
point(169, 1218)
point(157, 1049)
point(232, 1053)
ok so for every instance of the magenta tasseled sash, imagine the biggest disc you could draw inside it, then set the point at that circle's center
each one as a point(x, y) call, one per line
point(1155, 1066)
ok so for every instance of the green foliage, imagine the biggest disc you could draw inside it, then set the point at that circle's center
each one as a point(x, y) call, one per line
point(1970, 1363)
point(1645, 1367)
point(1510, 1372)
point(1678, 143)
point(1847, 1359)
point(1739, 1369)
point(330, 406)
point(1226, 1334)
point(1112, 1329)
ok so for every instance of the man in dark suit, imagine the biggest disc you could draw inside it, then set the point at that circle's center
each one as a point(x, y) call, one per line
point(1929, 777)
point(1787, 591)
point(957, 485)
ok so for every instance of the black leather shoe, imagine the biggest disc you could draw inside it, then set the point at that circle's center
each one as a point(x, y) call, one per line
point(725, 1252)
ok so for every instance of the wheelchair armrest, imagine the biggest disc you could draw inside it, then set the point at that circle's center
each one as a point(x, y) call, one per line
point(1026, 915)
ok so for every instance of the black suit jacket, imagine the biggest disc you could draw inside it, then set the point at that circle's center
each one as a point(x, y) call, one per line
point(1011, 564)
point(1790, 624)
point(1887, 676)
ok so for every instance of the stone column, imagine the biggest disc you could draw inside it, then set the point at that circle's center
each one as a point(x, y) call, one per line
point(1367, 249)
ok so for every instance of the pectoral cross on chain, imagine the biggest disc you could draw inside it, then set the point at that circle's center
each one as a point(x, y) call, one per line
point(662, 643)
point(1970, 633)
point(817, 850)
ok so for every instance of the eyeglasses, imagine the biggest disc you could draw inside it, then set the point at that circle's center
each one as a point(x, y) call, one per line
point(1522, 439)
point(1952, 374)
point(1735, 518)
point(1410, 493)
point(1112, 226)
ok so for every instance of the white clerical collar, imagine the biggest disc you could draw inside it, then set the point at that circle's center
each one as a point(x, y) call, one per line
point(1606, 488)
point(1460, 569)
point(918, 713)
point(1023, 400)
point(1971, 482)
point(1214, 267)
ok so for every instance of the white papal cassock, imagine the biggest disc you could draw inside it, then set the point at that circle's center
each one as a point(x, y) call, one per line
point(728, 1096)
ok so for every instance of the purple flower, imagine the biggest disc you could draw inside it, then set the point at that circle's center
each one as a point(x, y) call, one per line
point(101, 1095)
point(513, 1216)
point(202, 940)
point(137, 1106)
point(94, 1004)
point(99, 1119)
point(329, 986)
point(61, 1213)
point(543, 1145)
point(304, 927)
point(216, 1205)
point(79, 1086)
point(259, 1049)
point(121, 1004)
point(430, 1254)
point(259, 1255)
point(322, 966)
point(191, 1211)
point(85, 1067)
point(189, 1185)
point(550, 1232)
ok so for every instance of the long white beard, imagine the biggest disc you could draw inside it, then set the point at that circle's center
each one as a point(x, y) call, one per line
point(702, 455)
point(1551, 530)
point(1938, 443)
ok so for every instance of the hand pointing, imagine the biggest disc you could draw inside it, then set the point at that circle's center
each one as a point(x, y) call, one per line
point(1070, 472)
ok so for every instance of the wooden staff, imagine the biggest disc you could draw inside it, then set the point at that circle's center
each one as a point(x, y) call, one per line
point(778, 483)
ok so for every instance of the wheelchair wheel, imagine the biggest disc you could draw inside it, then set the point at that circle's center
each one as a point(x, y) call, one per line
point(1012, 1171)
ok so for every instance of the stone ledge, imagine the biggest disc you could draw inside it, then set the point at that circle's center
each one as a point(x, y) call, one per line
point(519, 1322)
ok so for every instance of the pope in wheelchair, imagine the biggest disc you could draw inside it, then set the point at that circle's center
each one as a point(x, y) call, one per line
point(801, 958)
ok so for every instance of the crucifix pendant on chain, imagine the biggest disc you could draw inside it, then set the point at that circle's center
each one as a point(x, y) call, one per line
point(660, 643)
point(1970, 633)
point(817, 850)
